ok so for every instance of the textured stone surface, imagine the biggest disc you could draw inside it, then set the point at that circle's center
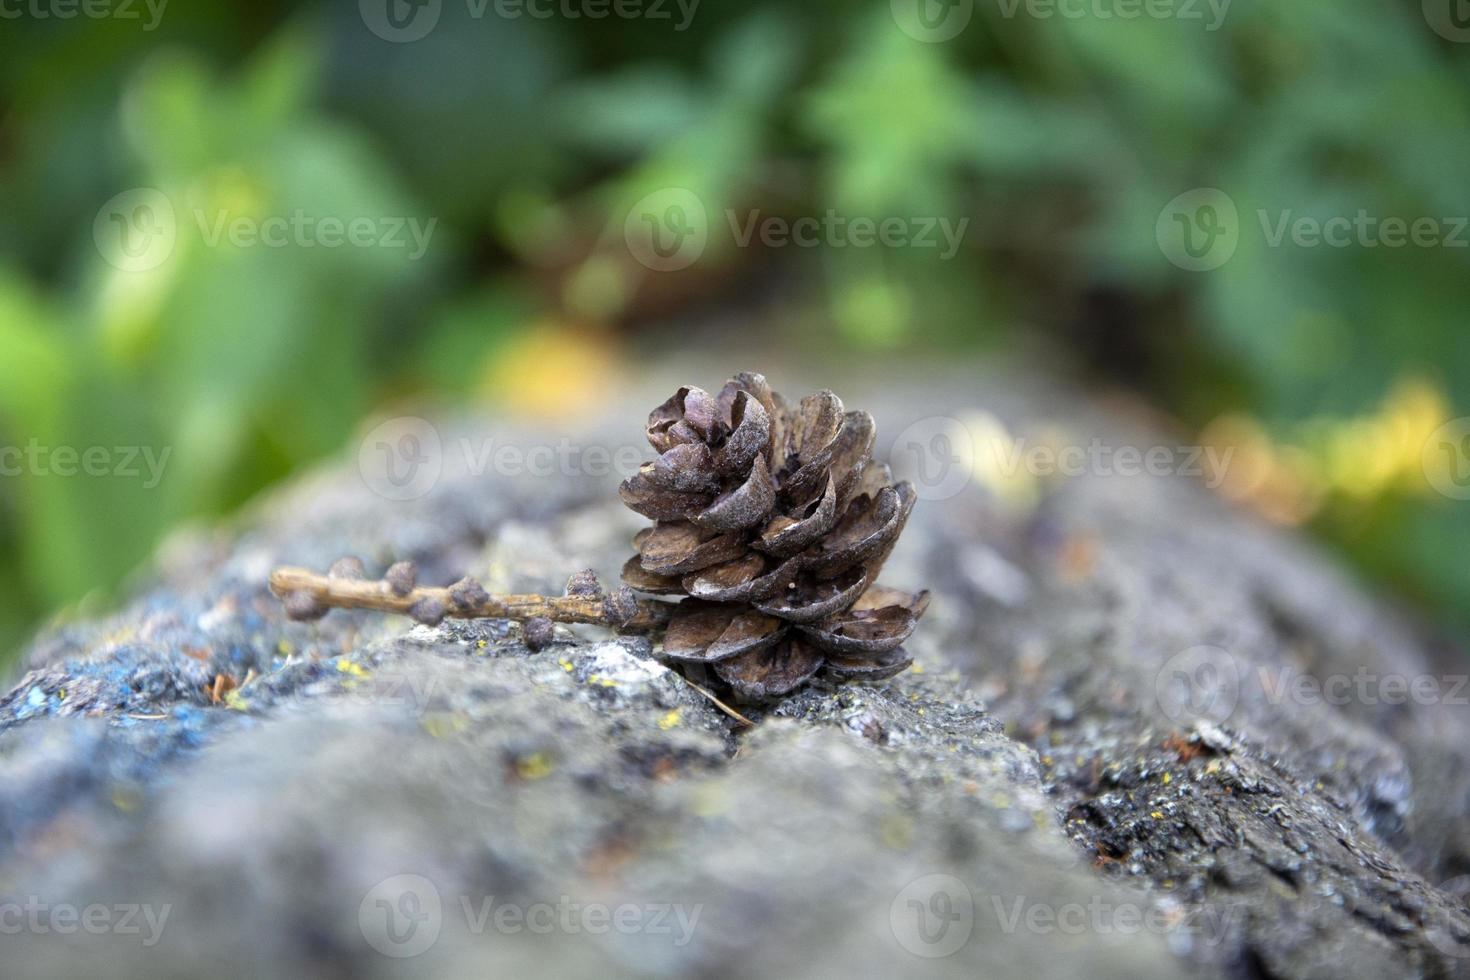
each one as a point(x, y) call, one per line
point(1094, 772)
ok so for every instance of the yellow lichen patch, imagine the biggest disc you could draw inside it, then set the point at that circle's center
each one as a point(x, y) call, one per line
point(235, 701)
point(671, 719)
point(537, 765)
point(601, 681)
point(443, 724)
point(1157, 814)
point(125, 799)
point(351, 667)
point(896, 832)
point(566, 664)
point(710, 801)
point(284, 648)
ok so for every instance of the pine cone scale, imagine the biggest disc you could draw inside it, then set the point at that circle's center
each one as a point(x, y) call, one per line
point(818, 600)
point(750, 433)
point(787, 535)
point(677, 547)
point(743, 507)
point(725, 583)
point(707, 632)
point(771, 674)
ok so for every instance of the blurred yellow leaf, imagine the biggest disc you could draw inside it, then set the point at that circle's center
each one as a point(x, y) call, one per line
point(552, 371)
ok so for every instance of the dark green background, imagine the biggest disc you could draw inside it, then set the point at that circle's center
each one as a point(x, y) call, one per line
point(527, 139)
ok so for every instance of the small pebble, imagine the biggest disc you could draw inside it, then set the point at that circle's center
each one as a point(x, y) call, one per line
point(584, 583)
point(347, 568)
point(429, 611)
point(539, 633)
point(401, 577)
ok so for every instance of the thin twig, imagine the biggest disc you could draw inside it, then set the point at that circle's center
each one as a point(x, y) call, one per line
point(721, 705)
point(308, 594)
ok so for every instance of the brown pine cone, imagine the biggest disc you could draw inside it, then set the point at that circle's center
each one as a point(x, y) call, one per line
point(773, 522)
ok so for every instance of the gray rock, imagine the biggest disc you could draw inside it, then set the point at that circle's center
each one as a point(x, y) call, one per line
point(1136, 796)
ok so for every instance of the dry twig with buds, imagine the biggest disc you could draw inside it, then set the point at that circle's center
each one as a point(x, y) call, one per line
point(771, 522)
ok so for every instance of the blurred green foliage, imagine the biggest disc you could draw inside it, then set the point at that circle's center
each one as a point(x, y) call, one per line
point(526, 140)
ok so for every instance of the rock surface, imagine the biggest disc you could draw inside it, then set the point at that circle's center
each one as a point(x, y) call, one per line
point(1109, 763)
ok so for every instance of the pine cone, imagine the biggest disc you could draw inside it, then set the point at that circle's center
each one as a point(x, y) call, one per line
point(773, 522)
